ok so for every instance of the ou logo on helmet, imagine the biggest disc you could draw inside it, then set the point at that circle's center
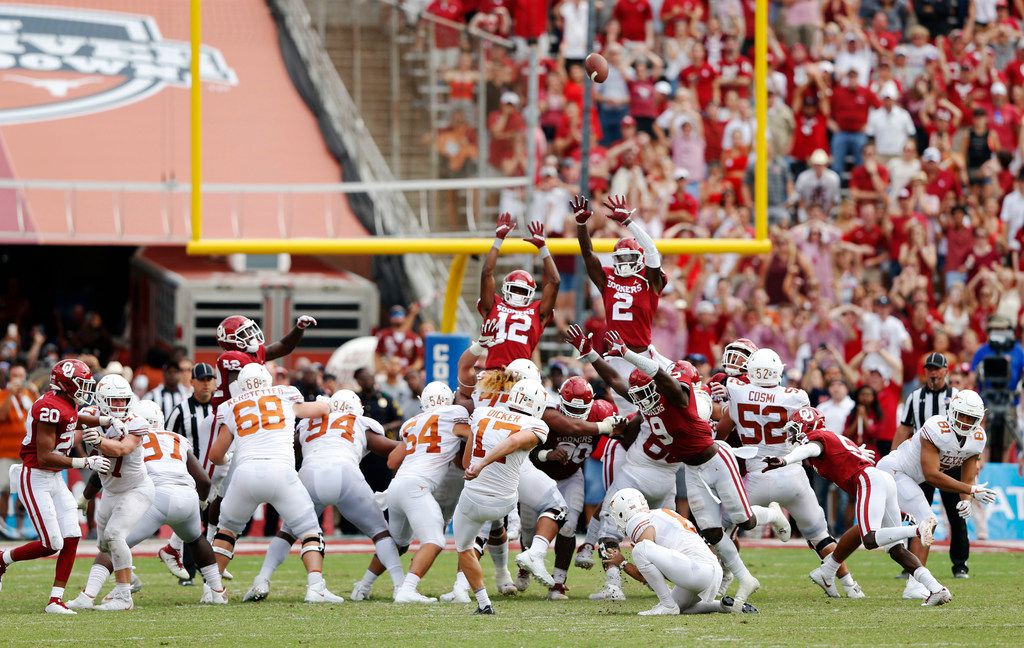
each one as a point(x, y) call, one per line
point(68, 369)
point(806, 414)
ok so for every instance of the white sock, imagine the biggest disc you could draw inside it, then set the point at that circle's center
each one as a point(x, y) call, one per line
point(176, 543)
point(211, 530)
point(613, 577)
point(730, 555)
point(123, 590)
point(369, 578)
point(98, 575)
point(560, 575)
point(482, 600)
point(499, 554)
point(829, 566)
point(412, 581)
point(6, 557)
point(277, 552)
point(593, 529)
point(923, 576)
point(539, 546)
point(212, 576)
point(387, 553)
point(460, 582)
point(764, 514)
point(889, 535)
point(57, 592)
point(314, 578)
point(847, 581)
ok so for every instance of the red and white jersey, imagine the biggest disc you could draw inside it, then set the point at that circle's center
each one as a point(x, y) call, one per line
point(55, 409)
point(954, 449)
point(670, 435)
point(760, 414)
point(671, 531)
point(490, 426)
point(629, 307)
point(840, 461)
point(336, 438)
point(232, 361)
point(128, 472)
point(165, 455)
point(519, 331)
point(431, 444)
point(404, 345)
point(263, 424)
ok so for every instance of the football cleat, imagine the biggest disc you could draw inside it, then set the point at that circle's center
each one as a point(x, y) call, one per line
point(136, 582)
point(360, 591)
point(457, 595)
point(854, 591)
point(608, 593)
point(926, 531)
point(522, 580)
point(320, 594)
point(226, 575)
point(941, 597)
point(782, 528)
point(260, 590)
point(746, 589)
point(116, 603)
point(827, 584)
point(558, 592)
point(171, 557)
point(535, 565)
point(585, 556)
point(406, 595)
point(214, 597)
point(56, 606)
point(961, 574)
point(81, 602)
point(727, 579)
point(506, 587)
point(487, 609)
point(728, 601)
point(915, 590)
point(661, 610)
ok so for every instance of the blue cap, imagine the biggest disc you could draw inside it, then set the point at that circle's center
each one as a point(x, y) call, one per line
point(396, 312)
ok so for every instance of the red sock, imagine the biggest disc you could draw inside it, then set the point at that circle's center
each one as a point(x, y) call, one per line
point(31, 551)
point(66, 560)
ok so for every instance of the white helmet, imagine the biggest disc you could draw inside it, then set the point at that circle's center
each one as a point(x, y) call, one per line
point(528, 396)
point(625, 504)
point(109, 390)
point(764, 368)
point(436, 394)
point(150, 411)
point(347, 401)
point(965, 412)
point(522, 369)
point(253, 376)
point(704, 404)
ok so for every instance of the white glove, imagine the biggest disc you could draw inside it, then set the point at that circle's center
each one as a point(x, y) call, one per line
point(92, 436)
point(305, 321)
point(719, 393)
point(105, 421)
point(867, 452)
point(982, 494)
point(964, 508)
point(98, 463)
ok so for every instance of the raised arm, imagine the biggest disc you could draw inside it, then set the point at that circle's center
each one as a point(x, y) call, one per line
point(551, 279)
point(501, 230)
point(621, 213)
point(287, 344)
point(580, 340)
point(580, 207)
point(467, 362)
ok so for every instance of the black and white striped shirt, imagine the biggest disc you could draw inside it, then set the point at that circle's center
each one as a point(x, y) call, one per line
point(185, 419)
point(166, 399)
point(923, 403)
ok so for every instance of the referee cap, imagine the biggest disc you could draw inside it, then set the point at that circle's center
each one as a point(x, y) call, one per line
point(202, 371)
point(937, 360)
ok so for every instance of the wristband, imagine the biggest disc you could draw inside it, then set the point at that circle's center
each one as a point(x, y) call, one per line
point(104, 421)
point(626, 222)
point(647, 365)
point(544, 252)
point(497, 243)
point(476, 349)
point(589, 357)
point(543, 455)
point(604, 427)
point(78, 462)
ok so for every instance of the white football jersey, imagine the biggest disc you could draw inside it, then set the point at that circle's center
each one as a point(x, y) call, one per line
point(671, 531)
point(483, 398)
point(431, 443)
point(760, 414)
point(951, 452)
point(165, 455)
point(263, 424)
point(126, 473)
point(491, 426)
point(338, 437)
point(652, 445)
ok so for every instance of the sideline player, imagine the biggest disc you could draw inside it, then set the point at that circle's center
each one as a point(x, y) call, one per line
point(844, 464)
point(260, 422)
point(943, 442)
point(759, 408)
point(49, 437)
point(502, 440)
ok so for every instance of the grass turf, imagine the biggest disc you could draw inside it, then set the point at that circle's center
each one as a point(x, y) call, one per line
point(985, 610)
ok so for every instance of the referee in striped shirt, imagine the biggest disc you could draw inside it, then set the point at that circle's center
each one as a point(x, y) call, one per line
point(922, 404)
point(185, 419)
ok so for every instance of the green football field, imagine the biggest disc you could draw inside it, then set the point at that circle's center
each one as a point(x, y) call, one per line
point(987, 610)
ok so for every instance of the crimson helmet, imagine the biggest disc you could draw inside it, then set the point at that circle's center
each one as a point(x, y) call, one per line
point(642, 391)
point(627, 258)
point(734, 357)
point(74, 379)
point(685, 373)
point(803, 421)
point(518, 288)
point(577, 397)
point(239, 333)
point(601, 409)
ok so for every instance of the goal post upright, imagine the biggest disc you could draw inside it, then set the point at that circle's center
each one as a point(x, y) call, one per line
point(196, 119)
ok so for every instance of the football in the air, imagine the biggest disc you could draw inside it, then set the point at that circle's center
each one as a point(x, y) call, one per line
point(597, 67)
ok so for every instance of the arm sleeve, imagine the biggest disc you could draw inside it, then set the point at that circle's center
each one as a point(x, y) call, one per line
point(805, 451)
point(652, 258)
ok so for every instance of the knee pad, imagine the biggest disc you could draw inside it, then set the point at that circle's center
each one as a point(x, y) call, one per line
point(229, 553)
point(821, 544)
point(713, 536)
point(557, 514)
point(56, 542)
point(313, 543)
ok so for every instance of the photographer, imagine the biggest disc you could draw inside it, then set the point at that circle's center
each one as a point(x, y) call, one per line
point(997, 366)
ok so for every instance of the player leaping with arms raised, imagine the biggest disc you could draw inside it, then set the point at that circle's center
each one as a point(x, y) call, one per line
point(630, 289)
point(838, 460)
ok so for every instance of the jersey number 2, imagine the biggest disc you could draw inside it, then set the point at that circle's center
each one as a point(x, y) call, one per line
point(621, 308)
